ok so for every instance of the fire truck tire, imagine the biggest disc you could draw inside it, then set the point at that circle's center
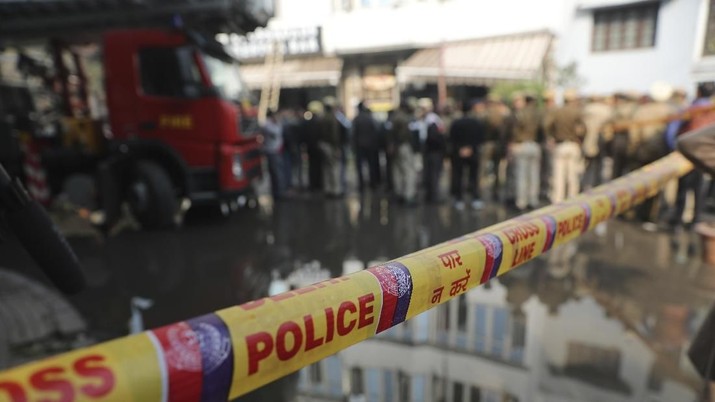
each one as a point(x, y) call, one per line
point(151, 196)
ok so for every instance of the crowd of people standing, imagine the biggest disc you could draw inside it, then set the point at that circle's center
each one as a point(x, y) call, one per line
point(525, 153)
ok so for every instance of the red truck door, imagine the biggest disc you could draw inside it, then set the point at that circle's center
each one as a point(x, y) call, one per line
point(171, 108)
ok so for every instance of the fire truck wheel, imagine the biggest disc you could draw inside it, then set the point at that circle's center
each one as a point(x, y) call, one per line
point(151, 196)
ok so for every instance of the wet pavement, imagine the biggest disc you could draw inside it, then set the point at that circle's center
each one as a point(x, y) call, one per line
point(607, 318)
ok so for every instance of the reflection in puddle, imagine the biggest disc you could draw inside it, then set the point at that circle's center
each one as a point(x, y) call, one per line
point(567, 327)
point(136, 321)
point(606, 319)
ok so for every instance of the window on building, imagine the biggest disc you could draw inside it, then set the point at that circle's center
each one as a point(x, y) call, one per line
point(518, 338)
point(462, 313)
point(372, 385)
point(600, 359)
point(475, 394)
point(439, 388)
point(457, 392)
point(389, 383)
point(480, 328)
point(500, 331)
point(403, 387)
point(316, 373)
point(418, 388)
point(709, 46)
point(356, 381)
point(630, 27)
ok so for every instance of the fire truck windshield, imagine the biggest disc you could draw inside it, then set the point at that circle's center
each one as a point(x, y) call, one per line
point(226, 77)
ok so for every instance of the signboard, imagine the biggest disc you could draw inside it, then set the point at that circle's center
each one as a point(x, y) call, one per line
point(294, 42)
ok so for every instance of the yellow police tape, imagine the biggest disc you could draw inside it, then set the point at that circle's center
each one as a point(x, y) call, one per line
point(226, 354)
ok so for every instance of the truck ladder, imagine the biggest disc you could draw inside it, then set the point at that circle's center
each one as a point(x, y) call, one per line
point(271, 89)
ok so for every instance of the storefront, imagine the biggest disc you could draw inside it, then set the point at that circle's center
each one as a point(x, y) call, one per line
point(372, 77)
point(301, 70)
point(381, 77)
point(301, 79)
point(469, 67)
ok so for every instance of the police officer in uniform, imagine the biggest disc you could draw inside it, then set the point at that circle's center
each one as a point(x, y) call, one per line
point(526, 151)
point(567, 130)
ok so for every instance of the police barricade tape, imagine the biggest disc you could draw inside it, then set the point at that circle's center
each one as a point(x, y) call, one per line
point(228, 353)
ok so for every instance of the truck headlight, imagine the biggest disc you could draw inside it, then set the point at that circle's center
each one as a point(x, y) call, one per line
point(237, 168)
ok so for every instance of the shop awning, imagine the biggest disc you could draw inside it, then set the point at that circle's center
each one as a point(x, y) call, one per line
point(586, 5)
point(480, 61)
point(297, 73)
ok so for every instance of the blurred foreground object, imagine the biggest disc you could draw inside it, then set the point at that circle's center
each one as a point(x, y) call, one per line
point(699, 148)
point(27, 220)
point(24, 19)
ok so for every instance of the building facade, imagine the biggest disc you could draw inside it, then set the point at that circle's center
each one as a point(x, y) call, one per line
point(628, 45)
point(392, 48)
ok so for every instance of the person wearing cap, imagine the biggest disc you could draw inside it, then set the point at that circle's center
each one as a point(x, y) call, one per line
point(434, 140)
point(366, 146)
point(567, 130)
point(402, 146)
point(525, 151)
point(596, 114)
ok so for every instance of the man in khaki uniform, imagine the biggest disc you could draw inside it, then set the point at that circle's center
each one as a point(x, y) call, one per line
point(567, 130)
point(493, 117)
point(596, 114)
point(526, 151)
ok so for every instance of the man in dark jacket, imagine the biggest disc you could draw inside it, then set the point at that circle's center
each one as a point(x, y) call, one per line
point(330, 144)
point(366, 146)
point(434, 148)
point(465, 136)
point(310, 137)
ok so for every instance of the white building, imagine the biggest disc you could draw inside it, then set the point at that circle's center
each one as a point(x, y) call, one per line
point(381, 48)
point(628, 44)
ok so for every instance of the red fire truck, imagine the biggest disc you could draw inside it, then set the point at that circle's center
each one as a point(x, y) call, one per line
point(180, 122)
